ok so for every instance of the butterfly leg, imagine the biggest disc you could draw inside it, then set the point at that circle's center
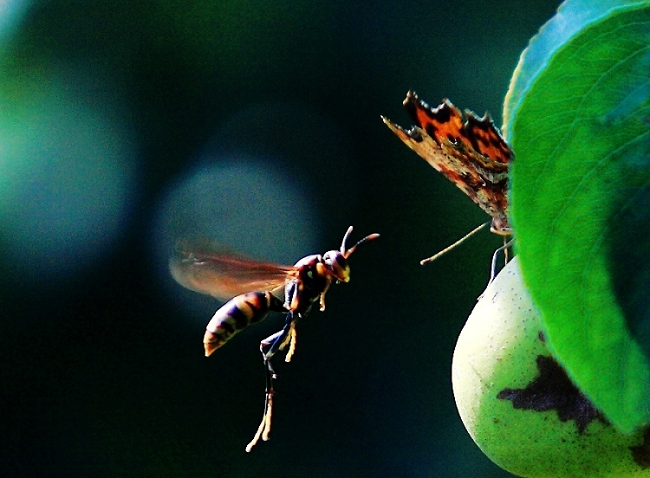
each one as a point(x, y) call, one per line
point(268, 348)
point(495, 257)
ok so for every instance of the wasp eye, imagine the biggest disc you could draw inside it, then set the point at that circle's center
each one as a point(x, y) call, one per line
point(337, 265)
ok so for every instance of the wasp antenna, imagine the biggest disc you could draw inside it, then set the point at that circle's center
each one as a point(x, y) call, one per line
point(345, 239)
point(369, 237)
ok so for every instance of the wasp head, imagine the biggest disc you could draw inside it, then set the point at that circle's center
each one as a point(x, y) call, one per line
point(337, 265)
point(337, 261)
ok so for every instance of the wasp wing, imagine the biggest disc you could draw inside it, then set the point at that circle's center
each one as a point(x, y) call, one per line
point(223, 274)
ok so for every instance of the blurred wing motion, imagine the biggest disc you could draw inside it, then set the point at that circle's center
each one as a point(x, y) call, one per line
point(223, 274)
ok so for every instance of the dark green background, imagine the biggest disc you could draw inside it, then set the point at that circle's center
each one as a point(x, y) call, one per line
point(101, 370)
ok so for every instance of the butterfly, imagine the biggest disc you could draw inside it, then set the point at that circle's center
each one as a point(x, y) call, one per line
point(470, 152)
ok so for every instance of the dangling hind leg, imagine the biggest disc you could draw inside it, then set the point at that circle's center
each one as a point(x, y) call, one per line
point(268, 348)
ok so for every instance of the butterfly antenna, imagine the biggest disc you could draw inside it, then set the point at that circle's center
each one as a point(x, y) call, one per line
point(452, 246)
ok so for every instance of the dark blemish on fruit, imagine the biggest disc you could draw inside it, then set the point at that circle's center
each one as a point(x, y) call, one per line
point(553, 390)
point(641, 453)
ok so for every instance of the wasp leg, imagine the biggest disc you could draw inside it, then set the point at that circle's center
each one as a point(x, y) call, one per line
point(278, 341)
point(322, 297)
point(265, 425)
point(293, 338)
point(268, 348)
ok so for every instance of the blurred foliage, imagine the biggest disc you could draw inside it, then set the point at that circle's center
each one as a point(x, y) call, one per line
point(102, 366)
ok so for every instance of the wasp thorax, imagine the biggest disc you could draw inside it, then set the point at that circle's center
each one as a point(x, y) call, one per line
point(337, 265)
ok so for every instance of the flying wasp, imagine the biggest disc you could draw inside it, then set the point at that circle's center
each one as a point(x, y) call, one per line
point(258, 288)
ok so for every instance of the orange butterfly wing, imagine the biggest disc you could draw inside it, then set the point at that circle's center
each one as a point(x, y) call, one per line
point(470, 153)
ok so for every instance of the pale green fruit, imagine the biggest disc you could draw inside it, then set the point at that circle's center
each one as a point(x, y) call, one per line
point(498, 349)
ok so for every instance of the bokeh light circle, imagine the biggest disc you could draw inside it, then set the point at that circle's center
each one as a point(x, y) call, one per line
point(67, 173)
point(242, 203)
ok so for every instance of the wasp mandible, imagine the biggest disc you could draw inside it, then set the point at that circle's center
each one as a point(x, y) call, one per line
point(257, 288)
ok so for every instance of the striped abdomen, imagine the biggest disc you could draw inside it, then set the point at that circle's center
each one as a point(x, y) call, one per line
point(237, 314)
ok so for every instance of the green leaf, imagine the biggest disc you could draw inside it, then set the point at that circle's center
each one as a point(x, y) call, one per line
point(579, 121)
point(572, 17)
